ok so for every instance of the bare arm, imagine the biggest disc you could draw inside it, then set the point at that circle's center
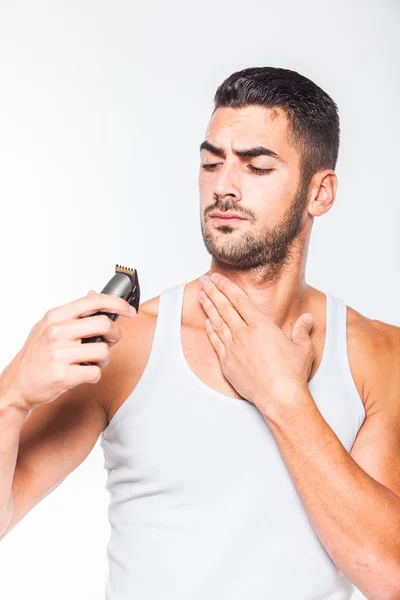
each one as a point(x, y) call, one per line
point(353, 499)
point(50, 414)
point(39, 449)
point(12, 419)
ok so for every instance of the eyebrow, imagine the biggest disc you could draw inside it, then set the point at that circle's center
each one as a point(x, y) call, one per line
point(247, 153)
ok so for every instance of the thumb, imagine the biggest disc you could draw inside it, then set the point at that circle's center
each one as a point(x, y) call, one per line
point(302, 327)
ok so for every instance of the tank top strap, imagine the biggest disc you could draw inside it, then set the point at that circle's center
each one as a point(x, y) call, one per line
point(166, 340)
point(340, 338)
point(337, 316)
point(336, 342)
point(167, 345)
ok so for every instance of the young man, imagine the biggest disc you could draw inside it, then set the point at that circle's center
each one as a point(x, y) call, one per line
point(249, 454)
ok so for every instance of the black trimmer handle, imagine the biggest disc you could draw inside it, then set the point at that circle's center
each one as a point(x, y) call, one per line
point(124, 284)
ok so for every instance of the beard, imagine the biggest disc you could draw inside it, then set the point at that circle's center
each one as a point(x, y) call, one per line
point(261, 254)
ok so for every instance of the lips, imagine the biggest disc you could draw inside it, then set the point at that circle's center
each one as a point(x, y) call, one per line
point(227, 215)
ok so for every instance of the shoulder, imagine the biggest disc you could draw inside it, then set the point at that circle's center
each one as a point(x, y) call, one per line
point(374, 354)
point(139, 329)
point(128, 358)
point(144, 321)
point(149, 308)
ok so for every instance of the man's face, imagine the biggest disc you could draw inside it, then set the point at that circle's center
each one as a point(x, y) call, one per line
point(273, 203)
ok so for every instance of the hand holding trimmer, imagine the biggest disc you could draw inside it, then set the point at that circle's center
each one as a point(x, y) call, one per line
point(125, 284)
point(50, 361)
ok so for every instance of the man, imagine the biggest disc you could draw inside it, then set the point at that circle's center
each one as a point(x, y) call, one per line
point(251, 453)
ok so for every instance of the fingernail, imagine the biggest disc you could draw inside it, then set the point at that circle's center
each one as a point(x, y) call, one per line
point(308, 318)
point(132, 311)
point(204, 279)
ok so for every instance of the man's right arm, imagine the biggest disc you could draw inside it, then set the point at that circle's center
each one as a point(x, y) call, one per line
point(50, 413)
point(12, 419)
point(41, 447)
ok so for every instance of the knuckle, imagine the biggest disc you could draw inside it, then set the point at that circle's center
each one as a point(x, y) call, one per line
point(236, 300)
point(226, 335)
point(96, 300)
point(217, 326)
point(50, 315)
point(52, 331)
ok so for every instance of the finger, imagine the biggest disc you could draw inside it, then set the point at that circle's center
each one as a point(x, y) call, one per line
point(238, 298)
point(218, 324)
point(225, 309)
point(83, 374)
point(100, 325)
point(301, 329)
point(86, 327)
point(215, 341)
point(96, 352)
point(88, 305)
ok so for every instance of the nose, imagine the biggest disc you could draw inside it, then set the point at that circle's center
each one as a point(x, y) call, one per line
point(225, 184)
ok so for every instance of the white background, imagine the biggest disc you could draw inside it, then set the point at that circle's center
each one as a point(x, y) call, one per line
point(103, 106)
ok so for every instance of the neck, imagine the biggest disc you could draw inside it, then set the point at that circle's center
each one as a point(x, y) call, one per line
point(283, 297)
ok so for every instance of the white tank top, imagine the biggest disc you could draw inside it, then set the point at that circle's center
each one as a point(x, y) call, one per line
point(202, 505)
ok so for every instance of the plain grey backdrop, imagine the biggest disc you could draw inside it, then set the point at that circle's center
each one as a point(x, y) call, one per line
point(103, 106)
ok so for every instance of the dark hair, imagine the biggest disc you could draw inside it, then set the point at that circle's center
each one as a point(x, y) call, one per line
point(312, 114)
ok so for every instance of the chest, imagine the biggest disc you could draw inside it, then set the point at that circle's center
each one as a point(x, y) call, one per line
point(203, 361)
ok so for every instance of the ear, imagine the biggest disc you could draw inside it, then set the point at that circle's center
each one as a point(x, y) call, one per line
point(323, 192)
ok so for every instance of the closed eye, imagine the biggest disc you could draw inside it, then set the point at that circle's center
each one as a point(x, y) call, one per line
point(211, 167)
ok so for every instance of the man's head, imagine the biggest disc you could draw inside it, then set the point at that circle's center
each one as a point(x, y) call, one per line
point(291, 127)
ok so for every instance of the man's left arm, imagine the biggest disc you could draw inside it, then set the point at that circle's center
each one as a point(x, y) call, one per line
point(352, 499)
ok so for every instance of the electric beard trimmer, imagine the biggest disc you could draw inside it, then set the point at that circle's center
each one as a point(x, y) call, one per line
point(125, 284)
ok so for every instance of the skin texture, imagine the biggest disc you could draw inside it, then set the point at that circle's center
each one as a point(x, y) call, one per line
point(274, 277)
point(280, 210)
point(266, 254)
point(264, 257)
